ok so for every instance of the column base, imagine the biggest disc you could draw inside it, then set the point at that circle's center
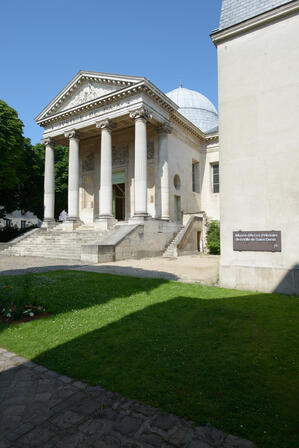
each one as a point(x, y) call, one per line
point(71, 223)
point(104, 222)
point(139, 218)
point(48, 223)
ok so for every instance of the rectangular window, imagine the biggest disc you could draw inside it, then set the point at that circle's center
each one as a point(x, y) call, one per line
point(7, 222)
point(23, 224)
point(195, 177)
point(216, 186)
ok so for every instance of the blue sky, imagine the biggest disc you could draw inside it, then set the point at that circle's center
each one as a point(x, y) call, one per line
point(44, 43)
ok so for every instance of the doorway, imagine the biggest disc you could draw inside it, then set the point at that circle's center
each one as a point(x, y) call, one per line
point(119, 201)
point(198, 245)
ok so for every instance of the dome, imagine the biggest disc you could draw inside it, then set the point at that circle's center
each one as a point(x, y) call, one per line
point(196, 108)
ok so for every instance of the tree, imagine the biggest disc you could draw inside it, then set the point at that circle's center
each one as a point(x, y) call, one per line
point(61, 179)
point(213, 237)
point(31, 188)
point(11, 155)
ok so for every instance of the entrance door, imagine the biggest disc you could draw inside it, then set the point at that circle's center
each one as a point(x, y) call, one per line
point(177, 208)
point(118, 204)
point(118, 195)
point(198, 241)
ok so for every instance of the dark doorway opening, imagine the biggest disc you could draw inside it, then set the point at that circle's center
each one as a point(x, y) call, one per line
point(119, 200)
point(198, 241)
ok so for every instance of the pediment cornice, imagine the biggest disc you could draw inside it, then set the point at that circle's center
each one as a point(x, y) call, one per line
point(114, 82)
point(50, 114)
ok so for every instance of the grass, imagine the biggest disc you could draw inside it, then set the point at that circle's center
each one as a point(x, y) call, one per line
point(214, 355)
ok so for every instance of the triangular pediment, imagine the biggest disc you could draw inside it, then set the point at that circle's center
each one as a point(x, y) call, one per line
point(86, 91)
point(86, 87)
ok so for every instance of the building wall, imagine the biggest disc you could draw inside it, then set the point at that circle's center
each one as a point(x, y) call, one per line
point(259, 158)
point(182, 150)
point(210, 201)
point(16, 217)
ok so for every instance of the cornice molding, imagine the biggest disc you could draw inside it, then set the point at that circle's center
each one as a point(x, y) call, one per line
point(144, 86)
point(82, 75)
point(264, 19)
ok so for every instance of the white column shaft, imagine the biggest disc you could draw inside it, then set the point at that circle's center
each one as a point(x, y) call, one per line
point(106, 174)
point(164, 175)
point(49, 184)
point(73, 184)
point(140, 167)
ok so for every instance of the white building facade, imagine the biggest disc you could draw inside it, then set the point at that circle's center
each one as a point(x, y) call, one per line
point(135, 155)
point(258, 66)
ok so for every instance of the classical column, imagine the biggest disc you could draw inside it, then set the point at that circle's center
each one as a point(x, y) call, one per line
point(105, 209)
point(163, 172)
point(49, 183)
point(140, 169)
point(73, 184)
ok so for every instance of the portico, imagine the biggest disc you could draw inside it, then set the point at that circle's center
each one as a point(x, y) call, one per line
point(132, 160)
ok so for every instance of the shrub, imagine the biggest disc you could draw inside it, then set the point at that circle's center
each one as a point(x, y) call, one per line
point(17, 303)
point(9, 233)
point(213, 237)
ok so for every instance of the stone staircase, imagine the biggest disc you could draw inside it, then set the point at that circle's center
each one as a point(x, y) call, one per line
point(55, 243)
point(171, 251)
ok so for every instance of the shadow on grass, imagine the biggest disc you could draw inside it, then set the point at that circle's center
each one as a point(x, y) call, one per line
point(64, 291)
point(99, 269)
point(228, 361)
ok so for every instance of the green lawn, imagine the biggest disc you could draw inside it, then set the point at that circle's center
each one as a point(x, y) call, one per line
point(209, 354)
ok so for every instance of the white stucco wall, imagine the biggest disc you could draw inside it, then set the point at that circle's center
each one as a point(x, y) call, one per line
point(181, 152)
point(210, 201)
point(259, 157)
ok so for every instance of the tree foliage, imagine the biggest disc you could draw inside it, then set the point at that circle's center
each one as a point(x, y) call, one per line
point(11, 154)
point(22, 169)
point(213, 237)
point(32, 187)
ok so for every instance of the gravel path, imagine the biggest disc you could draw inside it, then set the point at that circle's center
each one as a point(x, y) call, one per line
point(188, 268)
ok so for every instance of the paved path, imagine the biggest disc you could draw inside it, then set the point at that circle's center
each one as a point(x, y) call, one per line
point(40, 408)
point(187, 268)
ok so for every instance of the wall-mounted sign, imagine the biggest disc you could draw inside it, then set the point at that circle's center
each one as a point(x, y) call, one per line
point(263, 241)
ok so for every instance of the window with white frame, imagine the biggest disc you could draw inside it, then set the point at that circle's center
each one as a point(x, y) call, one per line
point(215, 178)
point(195, 177)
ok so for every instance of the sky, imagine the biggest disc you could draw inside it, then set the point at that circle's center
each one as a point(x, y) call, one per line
point(44, 43)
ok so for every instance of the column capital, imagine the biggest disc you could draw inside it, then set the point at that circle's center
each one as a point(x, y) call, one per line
point(165, 128)
point(48, 141)
point(141, 112)
point(72, 134)
point(105, 124)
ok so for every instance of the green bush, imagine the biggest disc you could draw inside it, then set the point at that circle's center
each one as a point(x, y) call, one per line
point(213, 237)
point(19, 302)
point(9, 233)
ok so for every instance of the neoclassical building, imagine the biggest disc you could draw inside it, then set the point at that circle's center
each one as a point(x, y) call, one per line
point(141, 162)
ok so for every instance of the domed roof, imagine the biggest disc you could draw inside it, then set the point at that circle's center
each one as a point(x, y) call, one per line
point(196, 107)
